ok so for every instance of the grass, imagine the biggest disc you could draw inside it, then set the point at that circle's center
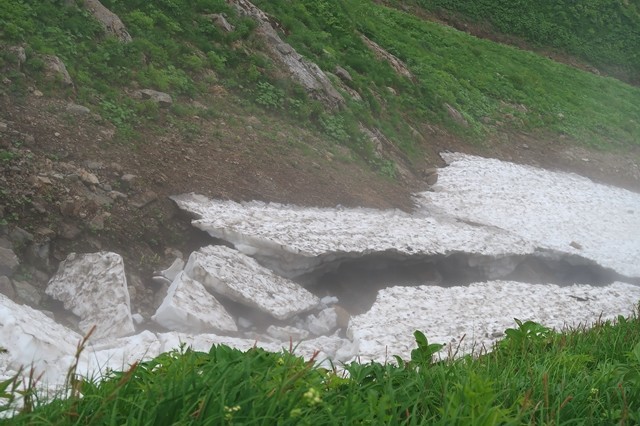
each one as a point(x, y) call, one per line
point(602, 32)
point(177, 48)
point(534, 376)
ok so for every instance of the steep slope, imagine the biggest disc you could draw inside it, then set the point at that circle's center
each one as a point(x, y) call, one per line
point(89, 157)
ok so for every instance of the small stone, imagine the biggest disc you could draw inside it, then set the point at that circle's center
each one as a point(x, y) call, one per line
point(88, 178)
point(144, 199)
point(38, 94)
point(343, 74)
point(56, 134)
point(576, 245)
point(78, 109)
point(43, 180)
point(3, 127)
point(115, 195)
point(45, 233)
point(127, 181)
point(161, 98)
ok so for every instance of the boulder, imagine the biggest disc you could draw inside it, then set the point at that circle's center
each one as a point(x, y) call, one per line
point(6, 287)
point(221, 22)
point(56, 70)
point(301, 70)
point(161, 98)
point(240, 278)
point(343, 74)
point(94, 287)
point(189, 308)
point(8, 261)
point(27, 293)
point(109, 20)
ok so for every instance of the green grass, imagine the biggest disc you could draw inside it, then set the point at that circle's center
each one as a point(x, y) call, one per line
point(602, 32)
point(533, 376)
point(176, 48)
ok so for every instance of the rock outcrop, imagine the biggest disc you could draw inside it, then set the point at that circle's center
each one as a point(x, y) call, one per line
point(303, 71)
point(109, 20)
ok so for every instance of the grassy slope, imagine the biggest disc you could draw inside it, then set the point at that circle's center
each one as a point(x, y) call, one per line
point(178, 49)
point(603, 32)
point(534, 377)
point(488, 83)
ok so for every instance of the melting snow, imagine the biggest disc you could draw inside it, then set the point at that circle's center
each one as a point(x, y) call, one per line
point(492, 211)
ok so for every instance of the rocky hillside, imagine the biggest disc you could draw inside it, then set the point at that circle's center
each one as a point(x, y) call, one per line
point(107, 109)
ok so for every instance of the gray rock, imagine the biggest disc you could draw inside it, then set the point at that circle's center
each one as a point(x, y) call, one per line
point(88, 177)
point(144, 199)
point(343, 74)
point(109, 20)
point(301, 70)
point(8, 261)
point(94, 287)
point(6, 287)
point(78, 109)
point(456, 115)
point(19, 237)
point(4, 243)
point(161, 98)
point(38, 254)
point(56, 70)
point(221, 22)
point(27, 293)
point(69, 231)
point(127, 181)
point(20, 54)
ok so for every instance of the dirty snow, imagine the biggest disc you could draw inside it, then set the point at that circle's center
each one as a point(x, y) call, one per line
point(550, 209)
point(490, 210)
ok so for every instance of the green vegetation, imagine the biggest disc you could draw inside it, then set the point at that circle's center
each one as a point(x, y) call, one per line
point(474, 88)
point(534, 376)
point(603, 32)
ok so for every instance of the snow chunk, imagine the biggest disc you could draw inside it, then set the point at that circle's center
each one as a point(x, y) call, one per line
point(293, 240)
point(172, 271)
point(119, 354)
point(561, 211)
point(94, 287)
point(188, 307)
point(480, 312)
point(325, 322)
point(32, 339)
point(287, 333)
point(242, 279)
